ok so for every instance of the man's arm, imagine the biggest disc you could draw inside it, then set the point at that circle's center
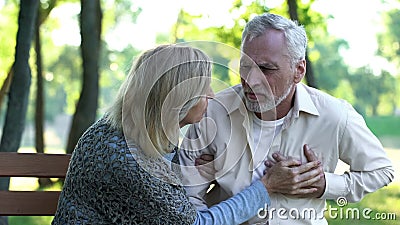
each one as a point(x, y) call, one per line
point(370, 168)
point(192, 147)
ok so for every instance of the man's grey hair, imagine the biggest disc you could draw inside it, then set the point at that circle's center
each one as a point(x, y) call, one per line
point(295, 34)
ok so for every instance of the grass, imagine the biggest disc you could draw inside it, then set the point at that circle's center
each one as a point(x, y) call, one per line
point(386, 128)
point(30, 220)
point(384, 125)
point(382, 203)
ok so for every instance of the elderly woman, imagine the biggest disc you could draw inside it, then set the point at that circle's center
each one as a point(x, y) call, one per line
point(120, 171)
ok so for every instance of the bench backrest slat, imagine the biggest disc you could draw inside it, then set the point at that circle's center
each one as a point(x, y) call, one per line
point(14, 164)
point(31, 203)
point(28, 203)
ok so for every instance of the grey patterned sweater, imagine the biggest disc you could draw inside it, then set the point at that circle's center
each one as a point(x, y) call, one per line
point(107, 184)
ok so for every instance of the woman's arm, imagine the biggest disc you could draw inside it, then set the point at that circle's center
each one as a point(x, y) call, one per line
point(237, 209)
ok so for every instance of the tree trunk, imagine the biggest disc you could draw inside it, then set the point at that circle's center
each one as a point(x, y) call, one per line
point(85, 114)
point(39, 117)
point(310, 78)
point(5, 88)
point(42, 16)
point(19, 88)
point(39, 110)
point(292, 7)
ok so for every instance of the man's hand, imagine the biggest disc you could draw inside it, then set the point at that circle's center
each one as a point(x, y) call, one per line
point(291, 177)
point(205, 166)
point(318, 186)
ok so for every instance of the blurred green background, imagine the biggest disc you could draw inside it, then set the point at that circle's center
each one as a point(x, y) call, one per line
point(353, 50)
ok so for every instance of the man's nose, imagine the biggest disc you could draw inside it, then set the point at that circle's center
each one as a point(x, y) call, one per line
point(254, 77)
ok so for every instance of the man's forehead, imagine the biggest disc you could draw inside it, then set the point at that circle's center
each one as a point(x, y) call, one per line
point(262, 58)
point(246, 59)
point(254, 63)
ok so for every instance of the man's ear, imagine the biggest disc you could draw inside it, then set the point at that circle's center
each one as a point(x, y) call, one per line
point(300, 70)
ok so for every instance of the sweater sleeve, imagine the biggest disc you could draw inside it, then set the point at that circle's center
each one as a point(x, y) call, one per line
point(237, 209)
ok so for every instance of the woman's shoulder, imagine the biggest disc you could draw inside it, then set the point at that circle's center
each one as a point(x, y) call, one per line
point(101, 150)
point(102, 158)
point(101, 135)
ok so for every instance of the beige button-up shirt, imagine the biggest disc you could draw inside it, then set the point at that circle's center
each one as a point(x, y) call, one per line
point(330, 126)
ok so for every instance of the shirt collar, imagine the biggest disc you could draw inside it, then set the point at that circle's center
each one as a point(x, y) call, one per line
point(303, 101)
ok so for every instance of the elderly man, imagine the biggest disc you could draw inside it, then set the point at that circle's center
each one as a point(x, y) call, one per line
point(272, 117)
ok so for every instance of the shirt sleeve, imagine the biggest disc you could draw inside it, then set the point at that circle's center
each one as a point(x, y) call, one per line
point(237, 209)
point(370, 168)
point(193, 146)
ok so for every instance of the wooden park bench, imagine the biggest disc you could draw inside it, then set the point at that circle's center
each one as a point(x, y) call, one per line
point(31, 203)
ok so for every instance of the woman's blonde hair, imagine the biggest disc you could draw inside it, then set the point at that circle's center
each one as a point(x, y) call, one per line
point(161, 87)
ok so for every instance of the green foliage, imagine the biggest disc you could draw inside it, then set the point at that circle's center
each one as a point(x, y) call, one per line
point(232, 35)
point(313, 21)
point(62, 64)
point(389, 47)
point(328, 65)
point(114, 67)
point(186, 30)
point(389, 40)
point(9, 27)
point(66, 82)
point(344, 91)
point(118, 12)
point(369, 88)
